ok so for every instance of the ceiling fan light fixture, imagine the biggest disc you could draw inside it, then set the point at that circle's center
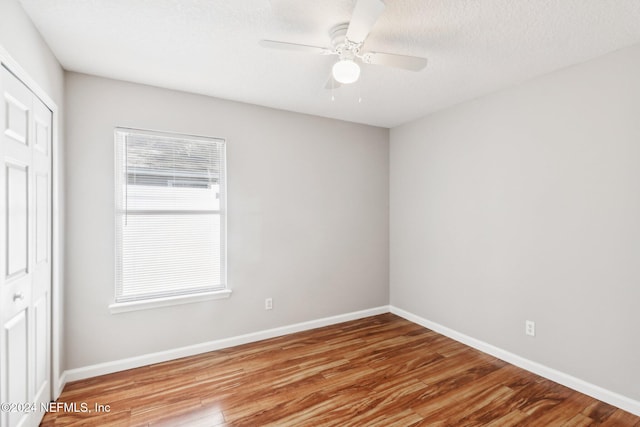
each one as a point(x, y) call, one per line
point(346, 71)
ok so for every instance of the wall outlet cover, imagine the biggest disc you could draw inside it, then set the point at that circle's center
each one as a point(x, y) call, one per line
point(530, 328)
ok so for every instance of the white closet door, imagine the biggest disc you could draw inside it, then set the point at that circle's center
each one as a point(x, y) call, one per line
point(25, 254)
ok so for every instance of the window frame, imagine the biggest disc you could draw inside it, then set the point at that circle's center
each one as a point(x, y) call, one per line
point(120, 209)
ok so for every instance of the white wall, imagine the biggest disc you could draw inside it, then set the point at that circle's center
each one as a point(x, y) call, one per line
point(22, 42)
point(525, 204)
point(307, 223)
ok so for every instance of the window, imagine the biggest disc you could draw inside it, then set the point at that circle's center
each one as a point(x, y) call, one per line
point(170, 215)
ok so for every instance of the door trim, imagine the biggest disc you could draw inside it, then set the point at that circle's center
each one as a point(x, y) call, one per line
point(57, 225)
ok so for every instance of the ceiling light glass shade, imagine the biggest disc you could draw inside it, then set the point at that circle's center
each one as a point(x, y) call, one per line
point(346, 71)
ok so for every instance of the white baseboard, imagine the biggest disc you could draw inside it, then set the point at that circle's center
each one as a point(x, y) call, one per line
point(163, 356)
point(567, 380)
point(59, 385)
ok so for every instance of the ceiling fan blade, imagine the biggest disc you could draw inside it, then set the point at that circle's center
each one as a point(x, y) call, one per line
point(295, 47)
point(412, 63)
point(332, 83)
point(365, 14)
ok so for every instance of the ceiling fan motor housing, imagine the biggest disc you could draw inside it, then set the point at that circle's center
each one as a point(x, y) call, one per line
point(344, 47)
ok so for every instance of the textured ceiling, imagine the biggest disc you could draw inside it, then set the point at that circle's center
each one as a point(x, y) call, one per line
point(211, 47)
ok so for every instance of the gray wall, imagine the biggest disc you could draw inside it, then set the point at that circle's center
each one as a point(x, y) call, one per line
point(525, 204)
point(22, 41)
point(307, 220)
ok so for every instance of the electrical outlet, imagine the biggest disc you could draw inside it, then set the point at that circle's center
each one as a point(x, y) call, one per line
point(530, 328)
point(268, 304)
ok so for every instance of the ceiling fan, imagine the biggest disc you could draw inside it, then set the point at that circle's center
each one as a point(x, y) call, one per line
point(347, 41)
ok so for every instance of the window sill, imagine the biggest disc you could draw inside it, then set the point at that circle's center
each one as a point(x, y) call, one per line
point(123, 307)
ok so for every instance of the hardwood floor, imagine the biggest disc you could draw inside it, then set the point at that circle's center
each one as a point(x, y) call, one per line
point(378, 371)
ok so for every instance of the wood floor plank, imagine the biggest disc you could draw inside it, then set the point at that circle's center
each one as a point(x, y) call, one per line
point(511, 418)
point(562, 412)
point(378, 371)
point(621, 418)
point(599, 411)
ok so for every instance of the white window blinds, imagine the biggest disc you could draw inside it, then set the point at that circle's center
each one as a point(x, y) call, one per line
point(170, 215)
